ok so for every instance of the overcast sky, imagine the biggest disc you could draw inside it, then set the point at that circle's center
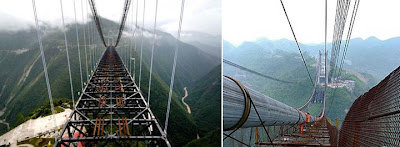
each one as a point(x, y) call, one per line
point(199, 15)
point(246, 20)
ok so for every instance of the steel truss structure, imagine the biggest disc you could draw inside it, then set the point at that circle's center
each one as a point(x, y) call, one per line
point(111, 109)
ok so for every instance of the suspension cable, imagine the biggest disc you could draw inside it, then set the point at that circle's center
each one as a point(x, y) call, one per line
point(89, 39)
point(123, 19)
point(340, 19)
point(131, 39)
point(141, 46)
point(38, 30)
point(171, 86)
point(66, 49)
point(342, 16)
point(135, 40)
point(84, 39)
point(326, 54)
point(333, 52)
point(353, 17)
point(297, 43)
point(347, 41)
point(152, 53)
point(97, 20)
point(254, 72)
point(79, 50)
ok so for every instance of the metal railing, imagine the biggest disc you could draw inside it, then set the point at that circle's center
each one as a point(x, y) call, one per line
point(373, 119)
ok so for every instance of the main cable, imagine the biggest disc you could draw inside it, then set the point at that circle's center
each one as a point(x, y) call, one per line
point(254, 72)
point(98, 21)
point(122, 25)
point(355, 9)
point(344, 7)
point(297, 43)
point(353, 17)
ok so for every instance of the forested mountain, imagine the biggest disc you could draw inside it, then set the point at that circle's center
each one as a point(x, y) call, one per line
point(371, 55)
point(23, 86)
point(205, 107)
point(280, 59)
point(210, 44)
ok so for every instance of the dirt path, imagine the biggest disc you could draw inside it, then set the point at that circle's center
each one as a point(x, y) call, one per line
point(27, 70)
point(183, 101)
point(2, 111)
point(360, 76)
point(1, 92)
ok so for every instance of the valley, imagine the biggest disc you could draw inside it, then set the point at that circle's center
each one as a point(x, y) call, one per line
point(183, 100)
point(24, 89)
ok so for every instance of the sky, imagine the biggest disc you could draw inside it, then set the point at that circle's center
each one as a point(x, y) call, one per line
point(247, 20)
point(199, 15)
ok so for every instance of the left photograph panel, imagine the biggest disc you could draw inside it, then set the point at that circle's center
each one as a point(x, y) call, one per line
point(110, 73)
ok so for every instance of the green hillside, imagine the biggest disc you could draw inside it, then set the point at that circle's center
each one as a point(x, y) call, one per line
point(31, 92)
point(205, 103)
point(289, 66)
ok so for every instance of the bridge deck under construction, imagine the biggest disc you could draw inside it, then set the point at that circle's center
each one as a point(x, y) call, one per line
point(111, 109)
point(320, 133)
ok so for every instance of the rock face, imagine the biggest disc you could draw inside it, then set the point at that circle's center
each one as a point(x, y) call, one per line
point(34, 127)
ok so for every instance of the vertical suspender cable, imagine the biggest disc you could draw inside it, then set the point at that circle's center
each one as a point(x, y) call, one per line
point(38, 30)
point(66, 49)
point(84, 39)
point(326, 51)
point(171, 86)
point(130, 23)
point(152, 53)
point(79, 50)
point(129, 19)
point(131, 41)
point(326, 15)
point(141, 46)
point(135, 40)
point(89, 45)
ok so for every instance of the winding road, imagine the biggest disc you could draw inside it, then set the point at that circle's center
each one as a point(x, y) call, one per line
point(187, 106)
point(183, 101)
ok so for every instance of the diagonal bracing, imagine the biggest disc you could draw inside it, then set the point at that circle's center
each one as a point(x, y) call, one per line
point(111, 109)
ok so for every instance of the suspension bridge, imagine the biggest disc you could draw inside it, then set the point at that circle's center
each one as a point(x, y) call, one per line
point(111, 108)
point(372, 120)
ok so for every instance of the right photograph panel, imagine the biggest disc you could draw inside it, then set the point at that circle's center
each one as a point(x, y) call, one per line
point(311, 73)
